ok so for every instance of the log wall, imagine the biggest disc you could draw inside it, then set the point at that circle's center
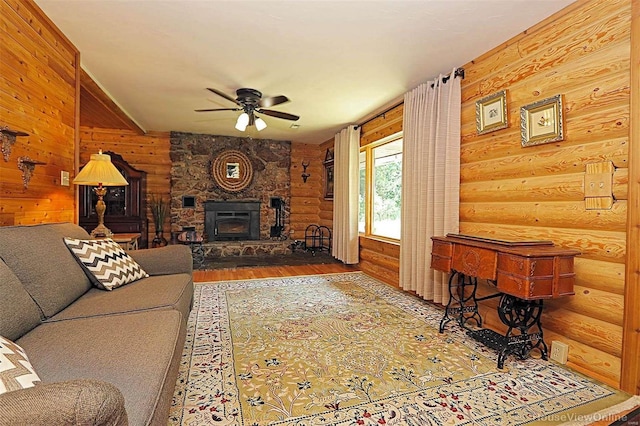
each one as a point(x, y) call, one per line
point(149, 153)
point(39, 95)
point(378, 257)
point(538, 192)
point(305, 196)
point(631, 340)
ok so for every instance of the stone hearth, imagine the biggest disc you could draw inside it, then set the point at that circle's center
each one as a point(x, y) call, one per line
point(246, 248)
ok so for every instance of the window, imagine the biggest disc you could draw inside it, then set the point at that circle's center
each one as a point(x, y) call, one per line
point(381, 188)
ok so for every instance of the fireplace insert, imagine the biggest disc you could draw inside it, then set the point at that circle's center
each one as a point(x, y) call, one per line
point(232, 220)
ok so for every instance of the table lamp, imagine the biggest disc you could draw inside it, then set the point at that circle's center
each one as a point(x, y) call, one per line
point(100, 172)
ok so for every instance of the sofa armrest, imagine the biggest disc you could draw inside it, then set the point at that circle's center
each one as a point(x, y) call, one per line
point(173, 259)
point(76, 402)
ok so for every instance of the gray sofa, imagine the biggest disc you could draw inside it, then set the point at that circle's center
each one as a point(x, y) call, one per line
point(98, 353)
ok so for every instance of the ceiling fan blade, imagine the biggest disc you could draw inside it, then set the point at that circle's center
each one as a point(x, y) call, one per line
point(278, 114)
point(218, 109)
point(224, 95)
point(272, 101)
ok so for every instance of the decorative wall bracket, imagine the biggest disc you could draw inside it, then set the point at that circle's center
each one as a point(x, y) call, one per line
point(8, 138)
point(27, 166)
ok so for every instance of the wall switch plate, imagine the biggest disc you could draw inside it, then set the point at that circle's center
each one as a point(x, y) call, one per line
point(64, 178)
point(559, 352)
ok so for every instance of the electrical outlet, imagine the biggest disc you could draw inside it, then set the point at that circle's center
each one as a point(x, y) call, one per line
point(559, 351)
point(64, 178)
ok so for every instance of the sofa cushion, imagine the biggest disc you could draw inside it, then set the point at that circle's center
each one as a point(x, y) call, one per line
point(18, 312)
point(158, 292)
point(108, 265)
point(43, 264)
point(16, 372)
point(138, 353)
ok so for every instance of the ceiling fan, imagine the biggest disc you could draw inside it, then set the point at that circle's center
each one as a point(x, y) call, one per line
point(251, 101)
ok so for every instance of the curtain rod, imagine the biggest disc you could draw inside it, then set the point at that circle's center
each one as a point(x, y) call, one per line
point(459, 72)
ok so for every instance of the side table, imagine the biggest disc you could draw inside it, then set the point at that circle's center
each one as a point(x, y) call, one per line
point(127, 241)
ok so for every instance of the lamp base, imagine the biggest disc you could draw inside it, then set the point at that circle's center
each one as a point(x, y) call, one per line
point(101, 231)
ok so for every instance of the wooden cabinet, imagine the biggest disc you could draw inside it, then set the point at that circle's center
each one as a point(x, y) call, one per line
point(126, 205)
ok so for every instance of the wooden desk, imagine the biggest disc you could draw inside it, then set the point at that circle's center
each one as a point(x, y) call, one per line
point(127, 241)
point(524, 273)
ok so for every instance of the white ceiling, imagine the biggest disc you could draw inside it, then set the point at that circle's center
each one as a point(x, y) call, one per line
point(337, 61)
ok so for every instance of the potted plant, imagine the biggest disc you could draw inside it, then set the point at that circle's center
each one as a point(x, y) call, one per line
point(159, 212)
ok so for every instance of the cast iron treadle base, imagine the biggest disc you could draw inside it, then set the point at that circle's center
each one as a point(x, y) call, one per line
point(489, 338)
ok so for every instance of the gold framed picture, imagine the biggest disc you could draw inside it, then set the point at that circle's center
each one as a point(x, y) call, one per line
point(541, 122)
point(491, 113)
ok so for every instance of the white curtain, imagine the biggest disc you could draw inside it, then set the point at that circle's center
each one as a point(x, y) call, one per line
point(345, 195)
point(430, 182)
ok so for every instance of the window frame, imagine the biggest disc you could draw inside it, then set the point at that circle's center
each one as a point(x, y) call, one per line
point(368, 184)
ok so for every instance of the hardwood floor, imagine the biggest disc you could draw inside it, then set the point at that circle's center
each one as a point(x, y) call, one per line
point(270, 272)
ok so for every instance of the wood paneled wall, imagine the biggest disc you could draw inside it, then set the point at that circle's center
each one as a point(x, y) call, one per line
point(512, 192)
point(97, 109)
point(380, 258)
point(39, 80)
point(149, 153)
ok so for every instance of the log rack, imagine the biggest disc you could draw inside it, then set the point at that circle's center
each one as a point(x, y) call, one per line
point(524, 274)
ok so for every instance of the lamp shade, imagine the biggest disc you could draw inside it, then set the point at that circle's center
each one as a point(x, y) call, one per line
point(100, 171)
point(243, 121)
point(260, 124)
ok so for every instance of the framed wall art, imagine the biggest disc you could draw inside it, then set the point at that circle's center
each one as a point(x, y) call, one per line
point(232, 170)
point(328, 175)
point(541, 122)
point(491, 113)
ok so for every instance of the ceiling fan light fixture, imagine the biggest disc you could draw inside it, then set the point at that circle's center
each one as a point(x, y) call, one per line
point(260, 124)
point(251, 101)
point(243, 121)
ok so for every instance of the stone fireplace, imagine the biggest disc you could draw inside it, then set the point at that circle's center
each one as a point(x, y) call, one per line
point(236, 213)
point(232, 220)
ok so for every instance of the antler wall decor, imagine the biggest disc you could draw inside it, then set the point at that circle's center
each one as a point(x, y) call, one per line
point(305, 175)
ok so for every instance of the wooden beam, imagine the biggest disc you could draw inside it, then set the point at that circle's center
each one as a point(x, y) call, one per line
point(630, 374)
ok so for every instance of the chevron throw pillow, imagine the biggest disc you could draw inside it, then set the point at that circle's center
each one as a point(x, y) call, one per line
point(108, 264)
point(16, 372)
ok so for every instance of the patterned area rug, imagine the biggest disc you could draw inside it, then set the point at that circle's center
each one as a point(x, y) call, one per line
point(345, 349)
